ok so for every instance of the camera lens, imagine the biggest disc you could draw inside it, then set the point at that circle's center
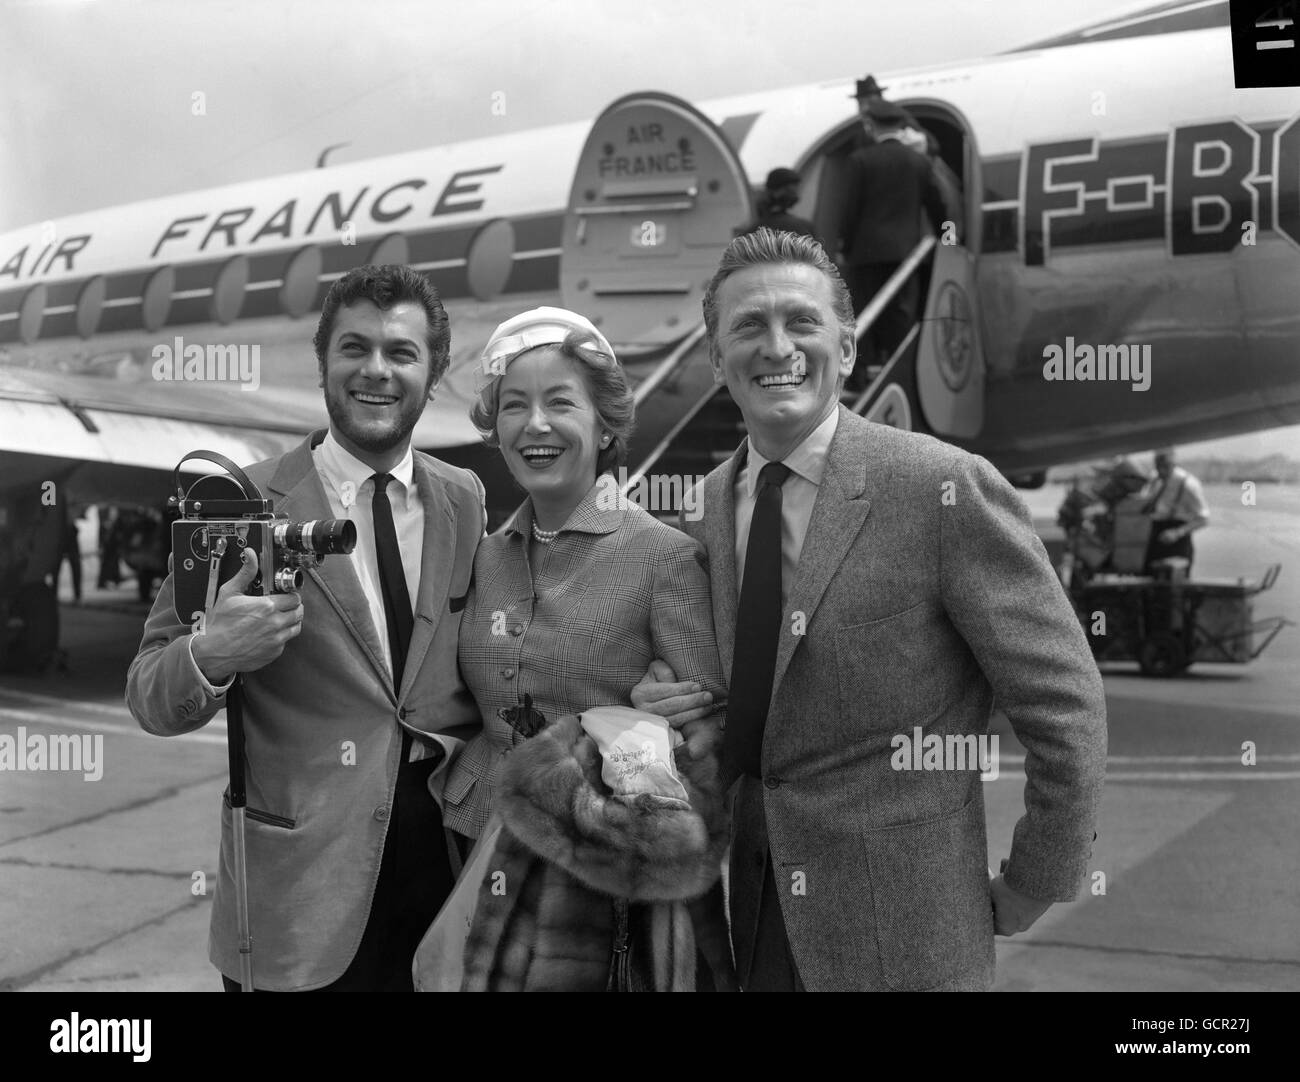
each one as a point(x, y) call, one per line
point(319, 536)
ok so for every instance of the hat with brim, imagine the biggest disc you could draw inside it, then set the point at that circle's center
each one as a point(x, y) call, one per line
point(543, 326)
point(867, 88)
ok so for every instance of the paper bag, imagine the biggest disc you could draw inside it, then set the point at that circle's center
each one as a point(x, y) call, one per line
point(439, 962)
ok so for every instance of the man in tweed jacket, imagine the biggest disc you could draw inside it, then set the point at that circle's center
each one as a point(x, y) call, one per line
point(915, 593)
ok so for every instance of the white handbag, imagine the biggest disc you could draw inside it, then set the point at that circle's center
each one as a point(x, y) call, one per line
point(439, 963)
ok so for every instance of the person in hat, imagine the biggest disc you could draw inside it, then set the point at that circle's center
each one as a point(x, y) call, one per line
point(780, 193)
point(868, 94)
point(888, 186)
point(571, 601)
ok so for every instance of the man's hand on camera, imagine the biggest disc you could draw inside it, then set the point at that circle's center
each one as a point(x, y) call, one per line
point(244, 634)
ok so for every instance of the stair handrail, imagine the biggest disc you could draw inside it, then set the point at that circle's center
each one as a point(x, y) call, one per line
point(887, 371)
point(675, 359)
point(877, 304)
point(662, 446)
point(895, 282)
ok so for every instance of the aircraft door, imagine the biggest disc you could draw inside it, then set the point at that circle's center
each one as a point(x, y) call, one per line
point(938, 383)
point(658, 193)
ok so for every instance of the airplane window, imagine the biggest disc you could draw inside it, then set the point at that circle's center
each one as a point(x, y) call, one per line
point(90, 305)
point(31, 314)
point(156, 300)
point(301, 281)
point(228, 292)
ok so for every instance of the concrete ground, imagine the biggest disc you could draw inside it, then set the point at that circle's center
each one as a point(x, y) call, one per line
point(108, 883)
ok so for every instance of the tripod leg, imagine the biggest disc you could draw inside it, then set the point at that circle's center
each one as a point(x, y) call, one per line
point(238, 801)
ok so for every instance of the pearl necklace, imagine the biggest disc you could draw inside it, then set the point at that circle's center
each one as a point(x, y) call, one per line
point(544, 537)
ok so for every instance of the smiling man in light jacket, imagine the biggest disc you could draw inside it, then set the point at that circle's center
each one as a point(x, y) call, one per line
point(353, 698)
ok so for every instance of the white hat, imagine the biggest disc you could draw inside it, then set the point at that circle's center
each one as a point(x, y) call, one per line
point(539, 327)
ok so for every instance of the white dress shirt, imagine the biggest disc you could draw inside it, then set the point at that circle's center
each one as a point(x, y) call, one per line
point(350, 491)
point(1180, 496)
point(807, 464)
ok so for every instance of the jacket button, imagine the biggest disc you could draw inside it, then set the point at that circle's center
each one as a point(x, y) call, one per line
point(509, 674)
point(381, 813)
point(517, 630)
point(401, 713)
point(772, 781)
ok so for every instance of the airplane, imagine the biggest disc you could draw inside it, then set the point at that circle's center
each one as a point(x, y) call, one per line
point(1126, 275)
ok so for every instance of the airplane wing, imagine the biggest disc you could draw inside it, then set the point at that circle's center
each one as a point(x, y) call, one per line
point(111, 409)
point(60, 415)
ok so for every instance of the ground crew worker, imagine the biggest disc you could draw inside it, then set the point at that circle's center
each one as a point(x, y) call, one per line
point(1177, 507)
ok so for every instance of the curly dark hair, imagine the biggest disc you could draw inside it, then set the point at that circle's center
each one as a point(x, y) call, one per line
point(385, 286)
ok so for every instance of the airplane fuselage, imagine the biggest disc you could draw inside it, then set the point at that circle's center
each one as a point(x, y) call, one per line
point(1119, 196)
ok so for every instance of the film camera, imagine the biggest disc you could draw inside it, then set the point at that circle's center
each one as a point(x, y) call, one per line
point(219, 517)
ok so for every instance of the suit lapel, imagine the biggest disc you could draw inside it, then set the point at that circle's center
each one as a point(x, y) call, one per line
point(837, 517)
point(436, 564)
point(720, 541)
point(304, 499)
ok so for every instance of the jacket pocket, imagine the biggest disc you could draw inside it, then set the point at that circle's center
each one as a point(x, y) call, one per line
point(261, 816)
point(473, 766)
point(930, 897)
point(895, 670)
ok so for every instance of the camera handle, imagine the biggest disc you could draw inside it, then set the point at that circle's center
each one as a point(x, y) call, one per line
point(238, 802)
point(250, 490)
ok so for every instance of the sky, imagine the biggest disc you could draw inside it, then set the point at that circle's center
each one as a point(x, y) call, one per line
point(100, 94)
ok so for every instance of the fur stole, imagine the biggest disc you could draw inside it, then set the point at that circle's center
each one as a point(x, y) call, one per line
point(644, 849)
point(567, 850)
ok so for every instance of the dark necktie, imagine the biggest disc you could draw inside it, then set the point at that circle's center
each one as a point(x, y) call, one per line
point(758, 627)
point(392, 579)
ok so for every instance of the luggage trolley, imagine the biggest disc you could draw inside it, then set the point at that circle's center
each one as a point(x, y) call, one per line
point(1167, 622)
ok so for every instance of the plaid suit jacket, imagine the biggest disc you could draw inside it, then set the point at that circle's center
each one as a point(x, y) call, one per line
point(617, 588)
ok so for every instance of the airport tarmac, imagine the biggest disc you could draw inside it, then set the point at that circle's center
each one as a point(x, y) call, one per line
point(107, 883)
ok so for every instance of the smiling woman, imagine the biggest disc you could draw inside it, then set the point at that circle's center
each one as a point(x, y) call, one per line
point(557, 404)
point(571, 602)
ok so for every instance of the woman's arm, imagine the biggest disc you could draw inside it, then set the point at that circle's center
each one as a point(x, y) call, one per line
point(681, 626)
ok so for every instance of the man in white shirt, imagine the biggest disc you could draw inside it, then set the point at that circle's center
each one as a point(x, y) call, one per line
point(1177, 507)
point(353, 701)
